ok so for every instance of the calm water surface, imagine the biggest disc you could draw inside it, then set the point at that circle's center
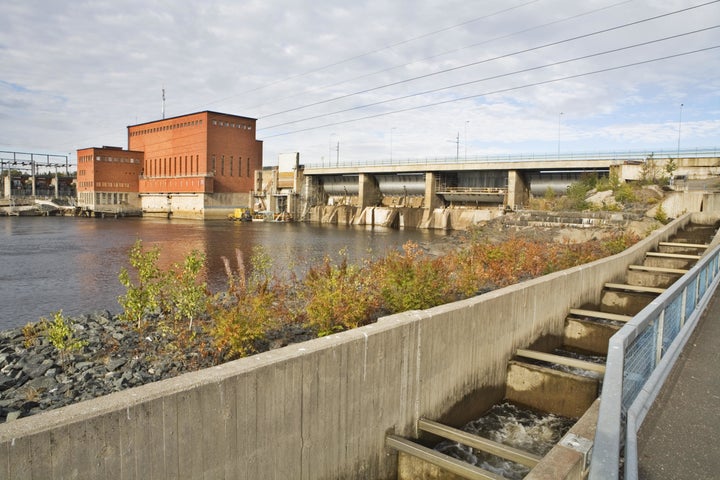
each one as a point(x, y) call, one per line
point(68, 263)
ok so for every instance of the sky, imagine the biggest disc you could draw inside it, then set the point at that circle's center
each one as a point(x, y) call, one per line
point(372, 80)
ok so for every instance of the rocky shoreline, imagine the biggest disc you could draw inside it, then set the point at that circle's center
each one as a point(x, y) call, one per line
point(36, 376)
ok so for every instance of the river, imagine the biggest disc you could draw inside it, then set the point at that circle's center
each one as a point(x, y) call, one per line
point(71, 263)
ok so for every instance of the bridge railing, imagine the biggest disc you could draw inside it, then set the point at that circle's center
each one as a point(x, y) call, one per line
point(640, 357)
point(620, 156)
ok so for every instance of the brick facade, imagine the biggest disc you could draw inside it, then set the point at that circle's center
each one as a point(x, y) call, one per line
point(204, 152)
point(108, 177)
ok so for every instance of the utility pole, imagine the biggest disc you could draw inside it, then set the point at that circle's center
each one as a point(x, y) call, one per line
point(163, 102)
point(457, 147)
point(559, 117)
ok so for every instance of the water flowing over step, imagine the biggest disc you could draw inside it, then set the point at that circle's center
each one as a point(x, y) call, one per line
point(567, 381)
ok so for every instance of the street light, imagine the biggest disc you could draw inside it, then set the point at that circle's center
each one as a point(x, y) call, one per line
point(679, 130)
point(559, 118)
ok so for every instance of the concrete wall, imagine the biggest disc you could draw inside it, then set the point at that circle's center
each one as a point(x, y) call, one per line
point(316, 410)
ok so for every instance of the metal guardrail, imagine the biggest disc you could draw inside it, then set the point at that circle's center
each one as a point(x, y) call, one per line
point(640, 356)
point(620, 156)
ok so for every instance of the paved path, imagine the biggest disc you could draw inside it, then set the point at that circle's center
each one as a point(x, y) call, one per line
point(680, 437)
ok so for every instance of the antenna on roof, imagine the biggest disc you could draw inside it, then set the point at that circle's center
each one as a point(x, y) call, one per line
point(163, 103)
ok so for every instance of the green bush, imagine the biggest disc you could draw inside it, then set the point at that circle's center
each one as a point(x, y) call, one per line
point(338, 297)
point(186, 295)
point(143, 293)
point(412, 281)
point(248, 309)
point(61, 336)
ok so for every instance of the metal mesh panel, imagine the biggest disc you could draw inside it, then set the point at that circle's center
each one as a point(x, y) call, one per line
point(639, 364)
point(690, 297)
point(702, 286)
point(672, 322)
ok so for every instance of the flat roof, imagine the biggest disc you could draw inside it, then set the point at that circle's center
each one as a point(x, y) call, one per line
point(191, 114)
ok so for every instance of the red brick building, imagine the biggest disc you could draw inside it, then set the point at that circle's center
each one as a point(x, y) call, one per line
point(108, 179)
point(197, 165)
point(200, 165)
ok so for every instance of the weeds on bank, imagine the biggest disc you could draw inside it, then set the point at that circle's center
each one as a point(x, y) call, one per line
point(338, 297)
point(243, 314)
point(333, 296)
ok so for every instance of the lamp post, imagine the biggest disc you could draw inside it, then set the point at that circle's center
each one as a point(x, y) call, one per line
point(559, 118)
point(679, 130)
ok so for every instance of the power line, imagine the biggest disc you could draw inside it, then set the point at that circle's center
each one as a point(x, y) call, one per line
point(504, 90)
point(484, 42)
point(494, 77)
point(472, 64)
point(386, 47)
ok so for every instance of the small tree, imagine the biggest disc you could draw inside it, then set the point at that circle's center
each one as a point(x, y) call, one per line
point(650, 172)
point(187, 295)
point(61, 336)
point(142, 296)
point(670, 167)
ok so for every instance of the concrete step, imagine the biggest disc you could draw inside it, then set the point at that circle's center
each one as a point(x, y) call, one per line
point(683, 256)
point(551, 390)
point(633, 288)
point(645, 268)
point(583, 313)
point(702, 246)
point(665, 262)
point(625, 302)
point(651, 279)
point(445, 462)
point(479, 443)
point(560, 360)
point(589, 335)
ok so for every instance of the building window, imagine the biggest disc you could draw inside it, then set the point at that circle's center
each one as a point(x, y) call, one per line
point(231, 165)
point(222, 165)
point(213, 164)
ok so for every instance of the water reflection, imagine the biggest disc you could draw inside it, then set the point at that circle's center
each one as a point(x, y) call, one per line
point(52, 263)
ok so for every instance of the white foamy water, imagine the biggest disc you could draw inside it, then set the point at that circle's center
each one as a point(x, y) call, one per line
point(510, 425)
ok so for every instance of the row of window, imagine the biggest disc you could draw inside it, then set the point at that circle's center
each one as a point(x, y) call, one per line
point(244, 126)
point(103, 198)
point(163, 128)
point(103, 158)
point(172, 166)
point(104, 184)
point(230, 165)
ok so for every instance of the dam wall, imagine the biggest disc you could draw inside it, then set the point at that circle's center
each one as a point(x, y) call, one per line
point(314, 410)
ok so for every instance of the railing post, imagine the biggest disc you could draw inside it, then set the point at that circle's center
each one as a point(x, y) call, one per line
point(659, 331)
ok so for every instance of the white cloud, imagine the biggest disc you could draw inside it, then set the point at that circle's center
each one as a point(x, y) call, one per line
point(75, 74)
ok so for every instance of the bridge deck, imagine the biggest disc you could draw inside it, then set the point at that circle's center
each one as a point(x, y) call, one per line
point(679, 437)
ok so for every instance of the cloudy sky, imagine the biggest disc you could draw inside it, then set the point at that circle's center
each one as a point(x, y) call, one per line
point(383, 78)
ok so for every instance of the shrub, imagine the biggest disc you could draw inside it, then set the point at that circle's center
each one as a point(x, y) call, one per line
point(60, 335)
point(624, 193)
point(187, 296)
point(338, 297)
point(242, 315)
point(411, 281)
point(660, 215)
point(143, 296)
